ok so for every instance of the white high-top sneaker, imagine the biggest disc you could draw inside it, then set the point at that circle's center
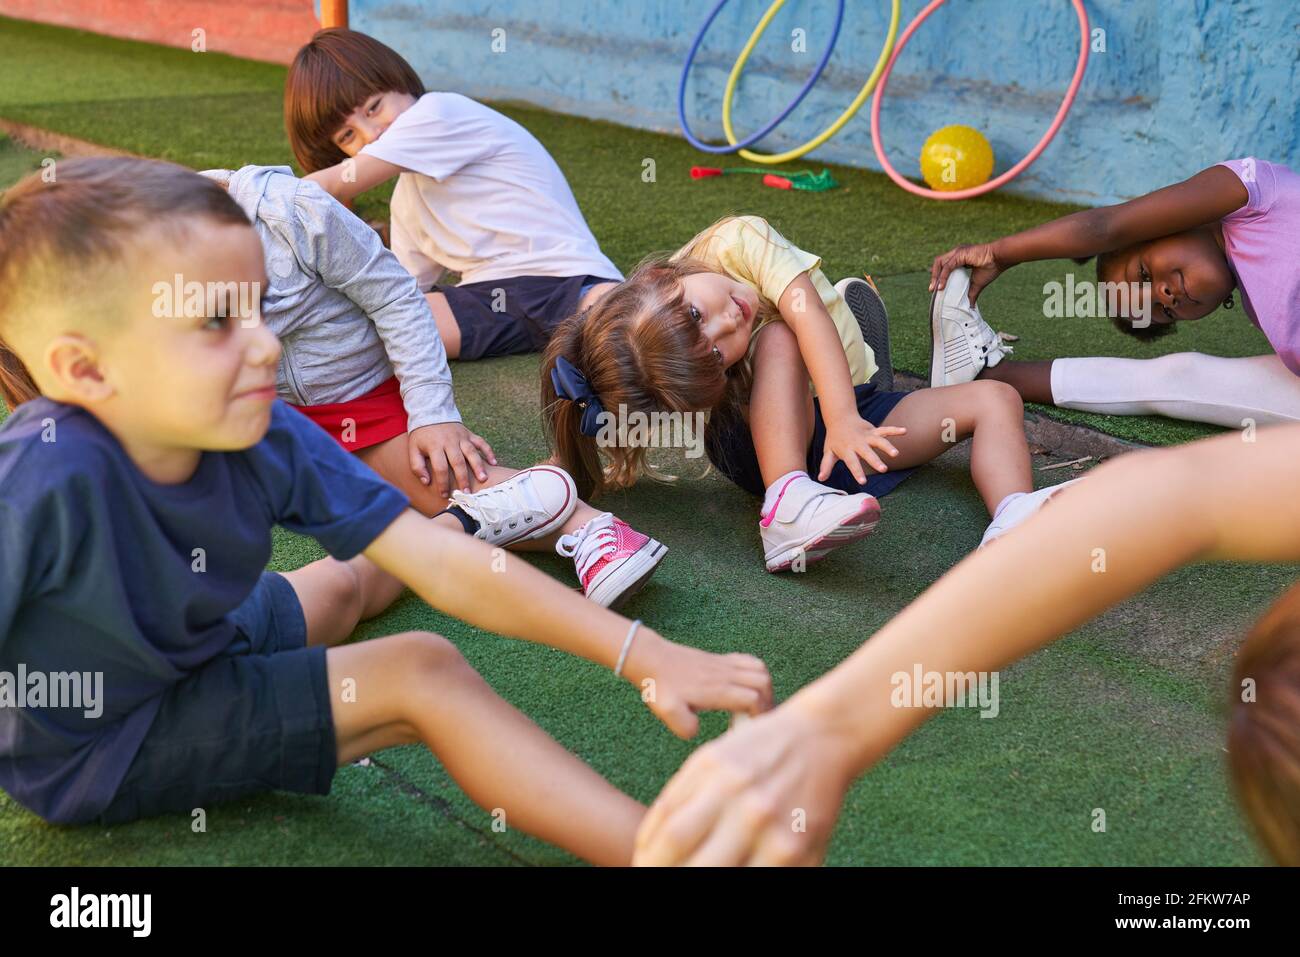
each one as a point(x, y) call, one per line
point(809, 520)
point(532, 504)
point(962, 344)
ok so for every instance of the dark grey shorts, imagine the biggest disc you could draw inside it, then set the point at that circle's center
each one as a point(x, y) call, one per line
point(256, 719)
point(505, 317)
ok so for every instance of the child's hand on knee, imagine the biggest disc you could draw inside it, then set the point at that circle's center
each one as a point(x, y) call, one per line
point(854, 441)
point(447, 452)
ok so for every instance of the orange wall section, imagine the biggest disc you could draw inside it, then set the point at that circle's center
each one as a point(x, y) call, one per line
point(270, 30)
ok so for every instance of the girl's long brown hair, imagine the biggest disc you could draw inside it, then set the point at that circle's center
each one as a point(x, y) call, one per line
point(640, 348)
point(1264, 728)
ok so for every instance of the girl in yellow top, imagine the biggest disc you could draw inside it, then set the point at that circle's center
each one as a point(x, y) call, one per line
point(740, 322)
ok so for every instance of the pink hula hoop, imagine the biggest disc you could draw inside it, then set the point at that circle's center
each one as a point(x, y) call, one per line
point(1010, 174)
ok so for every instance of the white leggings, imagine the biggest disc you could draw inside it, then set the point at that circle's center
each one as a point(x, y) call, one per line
point(1184, 385)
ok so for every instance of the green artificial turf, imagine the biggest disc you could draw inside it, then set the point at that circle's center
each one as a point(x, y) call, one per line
point(16, 162)
point(1125, 715)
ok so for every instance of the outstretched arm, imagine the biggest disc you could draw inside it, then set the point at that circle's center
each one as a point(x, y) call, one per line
point(1205, 198)
point(1222, 498)
point(499, 592)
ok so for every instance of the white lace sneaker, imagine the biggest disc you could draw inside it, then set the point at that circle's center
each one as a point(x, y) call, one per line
point(809, 520)
point(1020, 510)
point(532, 504)
point(613, 560)
point(962, 344)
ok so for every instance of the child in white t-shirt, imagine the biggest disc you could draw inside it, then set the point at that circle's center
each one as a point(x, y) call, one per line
point(477, 194)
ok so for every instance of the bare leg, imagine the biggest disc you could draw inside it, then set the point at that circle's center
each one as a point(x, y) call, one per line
point(336, 596)
point(991, 412)
point(782, 402)
point(389, 459)
point(1033, 380)
point(417, 688)
point(448, 327)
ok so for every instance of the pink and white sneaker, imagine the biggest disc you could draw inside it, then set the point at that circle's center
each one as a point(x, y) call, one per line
point(810, 520)
point(613, 560)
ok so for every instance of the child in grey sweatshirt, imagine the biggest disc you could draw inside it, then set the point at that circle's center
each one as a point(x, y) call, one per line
point(362, 357)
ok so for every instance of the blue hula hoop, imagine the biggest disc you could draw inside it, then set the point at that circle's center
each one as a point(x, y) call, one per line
point(751, 140)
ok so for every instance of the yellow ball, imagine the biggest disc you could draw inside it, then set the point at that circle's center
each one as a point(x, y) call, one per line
point(956, 157)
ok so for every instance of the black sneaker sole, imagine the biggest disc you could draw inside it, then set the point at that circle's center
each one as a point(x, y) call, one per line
point(873, 319)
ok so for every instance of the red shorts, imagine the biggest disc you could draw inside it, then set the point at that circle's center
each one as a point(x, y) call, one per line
point(364, 421)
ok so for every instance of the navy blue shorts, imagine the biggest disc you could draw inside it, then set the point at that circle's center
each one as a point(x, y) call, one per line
point(732, 453)
point(505, 317)
point(256, 719)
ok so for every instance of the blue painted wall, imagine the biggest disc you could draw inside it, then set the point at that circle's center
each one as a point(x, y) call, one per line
point(1181, 85)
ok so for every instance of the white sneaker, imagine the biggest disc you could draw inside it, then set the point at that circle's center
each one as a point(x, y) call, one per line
point(962, 344)
point(1020, 510)
point(613, 560)
point(809, 520)
point(532, 504)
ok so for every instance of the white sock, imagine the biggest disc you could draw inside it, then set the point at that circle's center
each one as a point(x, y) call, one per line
point(774, 490)
point(1005, 502)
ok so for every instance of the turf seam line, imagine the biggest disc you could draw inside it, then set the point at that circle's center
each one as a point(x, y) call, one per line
point(1058, 437)
point(39, 139)
point(444, 807)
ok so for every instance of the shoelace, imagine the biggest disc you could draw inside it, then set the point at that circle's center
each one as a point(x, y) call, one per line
point(984, 338)
point(508, 503)
point(590, 543)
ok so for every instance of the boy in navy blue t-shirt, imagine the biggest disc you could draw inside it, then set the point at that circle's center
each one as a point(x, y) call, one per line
point(137, 497)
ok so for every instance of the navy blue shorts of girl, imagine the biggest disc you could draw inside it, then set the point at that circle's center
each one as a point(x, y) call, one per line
point(257, 719)
point(731, 449)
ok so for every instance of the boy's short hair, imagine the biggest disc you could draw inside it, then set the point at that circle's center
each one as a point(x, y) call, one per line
point(66, 230)
point(330, 77)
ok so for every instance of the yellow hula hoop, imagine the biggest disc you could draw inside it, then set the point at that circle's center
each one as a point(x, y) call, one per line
point(824, 135)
